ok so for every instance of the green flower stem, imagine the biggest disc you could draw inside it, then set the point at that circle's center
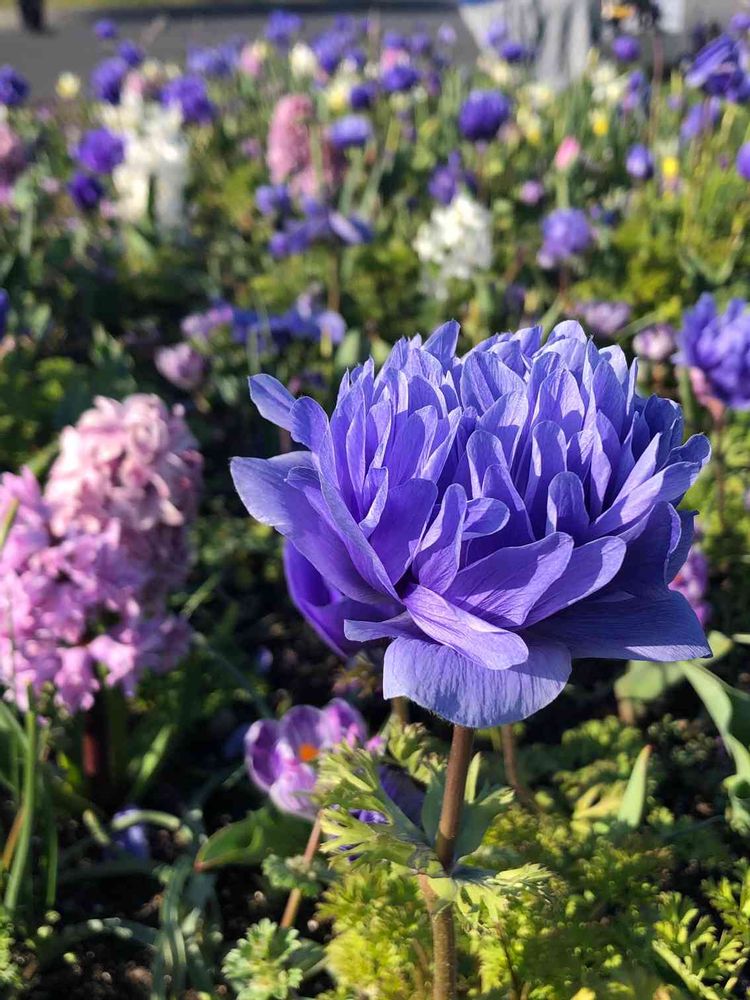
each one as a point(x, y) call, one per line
point(441, 916)
point(28, 809)
point(295, 896)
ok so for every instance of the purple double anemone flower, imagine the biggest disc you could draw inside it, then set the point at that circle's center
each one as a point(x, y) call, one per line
point(488, 517)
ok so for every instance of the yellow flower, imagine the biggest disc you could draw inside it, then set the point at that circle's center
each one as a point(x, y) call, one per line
point(599, 123)
point(670, 167)
point(337, 96)
point(68, 86)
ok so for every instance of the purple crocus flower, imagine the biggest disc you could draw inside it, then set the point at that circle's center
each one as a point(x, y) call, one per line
point(190, 94)
point(280, 756)
point(626, 48)
point(603, 317)
point(107, 79)
point(565, 233)
point(639, 162)
point(498, 514)
point(399, 78)
point(100, 151)
point(715, 347)
point(743, 161)
point(86, 191)
point(482, 114)
point(106, 30)
point(350, 131)
point(692, 582)
point(14, 88)
point(655, 343)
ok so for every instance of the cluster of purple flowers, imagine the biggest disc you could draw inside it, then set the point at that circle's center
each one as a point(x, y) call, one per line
point(89, 561)
point(715, 347)
point(487, 517)
point(318, 224)
point(307, 319)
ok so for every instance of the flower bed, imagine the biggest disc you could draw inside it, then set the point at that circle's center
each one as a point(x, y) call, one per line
point(238, 753)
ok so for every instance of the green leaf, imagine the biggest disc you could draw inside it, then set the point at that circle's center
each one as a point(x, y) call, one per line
point(646, 681)
point(251, 839)
point(634, 800)
point(730, 711)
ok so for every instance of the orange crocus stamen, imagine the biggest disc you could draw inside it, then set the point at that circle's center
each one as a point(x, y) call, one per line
point(308, 752)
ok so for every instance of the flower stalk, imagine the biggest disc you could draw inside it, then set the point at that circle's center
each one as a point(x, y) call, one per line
point(295, 896)
point(441, 916)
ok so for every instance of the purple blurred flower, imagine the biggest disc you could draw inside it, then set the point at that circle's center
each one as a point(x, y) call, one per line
point(482, 114)
point(700, 118)
point(181, 365)
point(626, 48)
point(720, 69)
point(565, 233)
point(350, 131)
point(692, 582)
point(655, 343)
point(210, 62)
point(86, 191)
point(100, 151)
point(743, 161)
point(202, 325)
point(282, 27)
point(639, 162)
point(739, 23)
point(399, 78)
point(515, 52)
point(715, 347)
point(106, 30)
point(4, 310)
point(497, 34)
point(130, 53)
point(14, 88)
point(107, 79)
point(362, 95)
point(497, 514)
point(531, 192)
point(12, 154)
point(281, 756)
point(190, 95)
point(273, 199)
point(448, 178)
point(603, 317)
point(133, 839)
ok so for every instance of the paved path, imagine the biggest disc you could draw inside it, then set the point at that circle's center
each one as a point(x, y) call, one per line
point(70, 45)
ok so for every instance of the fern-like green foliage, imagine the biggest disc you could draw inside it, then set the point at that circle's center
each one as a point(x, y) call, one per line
point(382, 944)
point(270, 962)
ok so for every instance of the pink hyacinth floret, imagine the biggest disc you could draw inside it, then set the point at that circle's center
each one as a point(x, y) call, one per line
point(88, 562)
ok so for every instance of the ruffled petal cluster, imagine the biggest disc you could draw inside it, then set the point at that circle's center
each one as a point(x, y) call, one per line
point(489, 517)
